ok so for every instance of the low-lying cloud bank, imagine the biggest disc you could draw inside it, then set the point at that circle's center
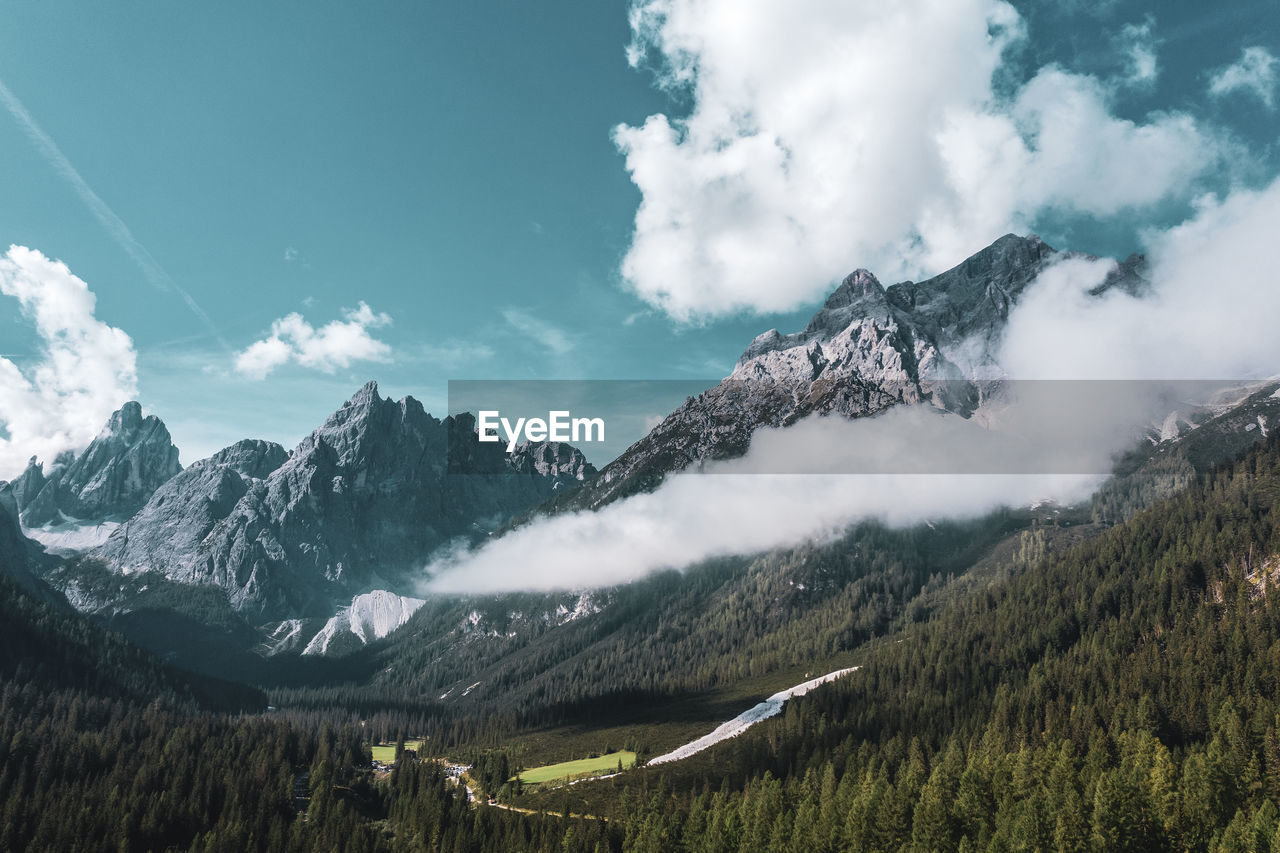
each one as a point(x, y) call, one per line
point(695, 517)
point(1211, 313)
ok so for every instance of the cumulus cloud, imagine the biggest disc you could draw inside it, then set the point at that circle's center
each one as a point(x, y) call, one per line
point(1210, 314)
point(83, 371)
point(827, 134)
point(1254, 73)
point(335, 344)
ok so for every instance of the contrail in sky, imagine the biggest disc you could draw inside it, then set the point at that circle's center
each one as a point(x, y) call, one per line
point(113, 224)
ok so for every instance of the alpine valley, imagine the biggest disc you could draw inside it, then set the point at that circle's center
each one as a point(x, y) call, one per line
point(209, 656)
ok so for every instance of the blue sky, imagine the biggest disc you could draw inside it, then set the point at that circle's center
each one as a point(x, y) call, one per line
point(455, 168)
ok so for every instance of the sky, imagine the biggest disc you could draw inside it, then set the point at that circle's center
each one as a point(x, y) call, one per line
point(238, 213)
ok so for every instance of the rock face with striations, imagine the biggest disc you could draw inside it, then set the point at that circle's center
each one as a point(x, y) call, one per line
point(360, 504)
point(167, 533)
point(869, 347)
point(111, 479)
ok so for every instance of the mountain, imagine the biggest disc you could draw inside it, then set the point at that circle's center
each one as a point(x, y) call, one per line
point(50, 647)
point(1187, 445)
point(107, 482)
point(22, 560)
point(166, 534)
point(1115, 695)
point(868, 348)
point(359, 505)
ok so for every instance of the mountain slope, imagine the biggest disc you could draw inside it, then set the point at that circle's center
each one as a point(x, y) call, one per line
point(868, 348)
point(1120, 695)
point(56, 648)
point(359, 505)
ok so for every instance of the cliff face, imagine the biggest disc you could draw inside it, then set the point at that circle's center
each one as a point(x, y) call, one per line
point(360, 504)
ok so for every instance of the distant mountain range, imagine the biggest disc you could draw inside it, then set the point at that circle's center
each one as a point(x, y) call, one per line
point(319, 550)
point(359, 505)
point(110, 480)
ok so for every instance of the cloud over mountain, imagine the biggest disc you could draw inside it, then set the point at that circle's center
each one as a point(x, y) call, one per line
point(897, 136)
point(82, 371)
point(1209, 313)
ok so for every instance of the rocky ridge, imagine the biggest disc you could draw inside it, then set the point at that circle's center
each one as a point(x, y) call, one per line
point(358, 505)
point(868, 348)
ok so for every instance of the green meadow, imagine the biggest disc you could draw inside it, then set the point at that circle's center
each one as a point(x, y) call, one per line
point(386, 752)
point(582, 767)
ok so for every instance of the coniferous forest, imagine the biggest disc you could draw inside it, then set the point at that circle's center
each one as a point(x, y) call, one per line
point(1118, 693)
point(650, 426)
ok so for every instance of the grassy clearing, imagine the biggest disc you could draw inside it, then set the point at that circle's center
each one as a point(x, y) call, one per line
point(578, 769)
point(386, 752)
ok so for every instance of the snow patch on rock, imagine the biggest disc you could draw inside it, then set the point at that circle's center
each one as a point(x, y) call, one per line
point(370, 616)
point(71, 537)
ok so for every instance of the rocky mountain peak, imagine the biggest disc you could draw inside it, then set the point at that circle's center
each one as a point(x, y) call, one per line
point(858, 285)
point(250, 457)
point(867, 348)
point(111, 479)
point(126, 421)
point(859, 296)
point(561, 462)
point(365, 396)
point(974, 297)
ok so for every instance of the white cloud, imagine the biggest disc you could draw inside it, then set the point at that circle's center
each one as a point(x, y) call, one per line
point(334, 345)
point(290, 255)
point(735, 510)
point(1139, 47)
point(1210, 313)
point(84, 371)
point(553, 338)
point(824, 135)
point(1253, 73)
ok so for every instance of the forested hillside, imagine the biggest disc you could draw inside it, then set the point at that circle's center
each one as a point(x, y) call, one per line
point(1119, 695)
point(54, 647)
point(671, 635)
